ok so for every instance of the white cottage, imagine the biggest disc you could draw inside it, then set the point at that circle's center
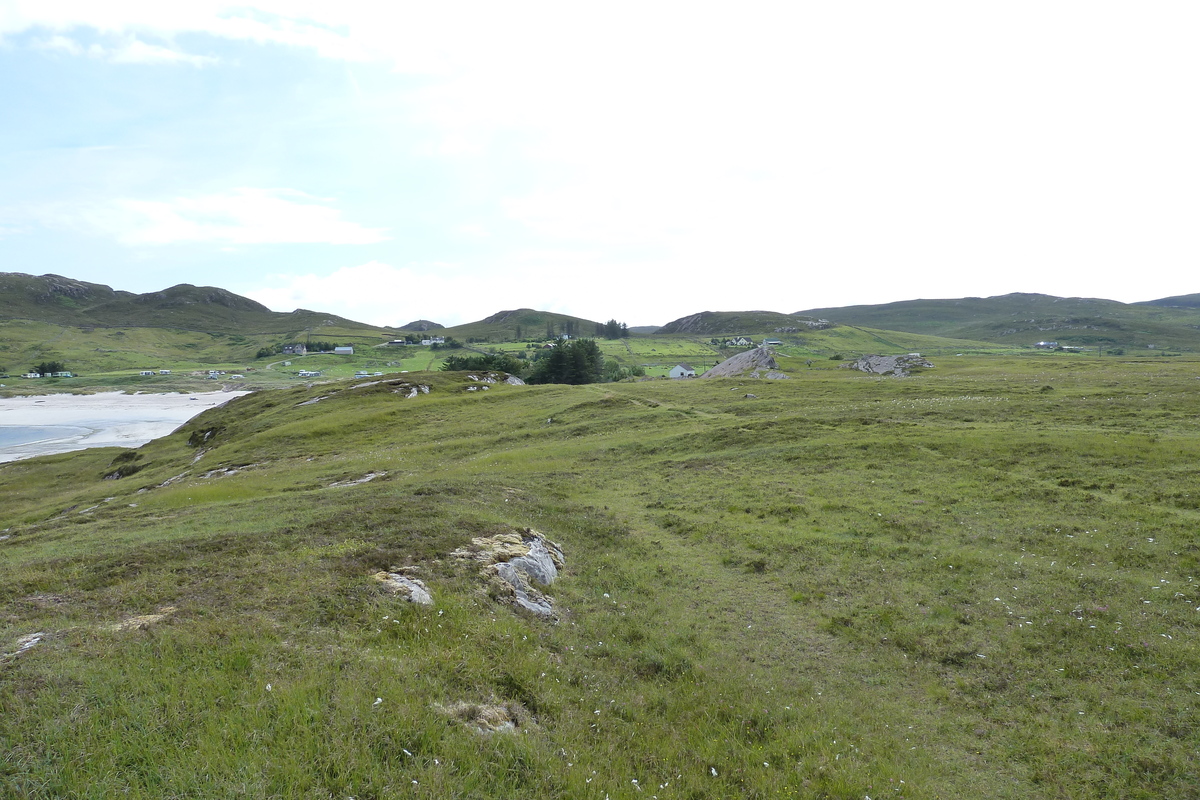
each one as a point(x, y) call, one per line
point(682, 371)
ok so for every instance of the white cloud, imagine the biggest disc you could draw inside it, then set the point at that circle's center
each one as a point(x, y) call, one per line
point(971, 148)
point(127, 50)
point(244, 216)
point(376, 293)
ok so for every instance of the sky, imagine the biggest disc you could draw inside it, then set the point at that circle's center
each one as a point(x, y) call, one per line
point(390, 162)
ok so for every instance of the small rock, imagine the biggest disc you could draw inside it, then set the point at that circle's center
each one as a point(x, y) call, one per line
point(411, 589)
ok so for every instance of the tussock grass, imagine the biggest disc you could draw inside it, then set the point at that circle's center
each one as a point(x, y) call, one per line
point(844, 587)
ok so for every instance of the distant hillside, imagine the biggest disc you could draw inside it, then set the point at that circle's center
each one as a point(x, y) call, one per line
point(523, 323)
point(65, 301)
point(711, 323)
point(421, 325)
point(1179, 301)
point(1026, 319)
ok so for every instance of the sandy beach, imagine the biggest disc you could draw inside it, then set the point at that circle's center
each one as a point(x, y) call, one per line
point(58, 423)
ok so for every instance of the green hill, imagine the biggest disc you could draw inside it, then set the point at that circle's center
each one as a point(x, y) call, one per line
point(92, 328)
point(523, 323)
point(831, 586)
point(64, 301)
point(1026, 319)
point(732, 323)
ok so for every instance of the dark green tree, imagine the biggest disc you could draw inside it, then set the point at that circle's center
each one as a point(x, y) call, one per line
point(575, 362)
point(497, 362)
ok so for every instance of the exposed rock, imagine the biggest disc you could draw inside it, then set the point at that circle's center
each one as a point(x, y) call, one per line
point(143, 621)
point(513, 563)
point(891, 365)
point(370, 476)
point(25, 643)
point(756, 363)
point(411, 589)
point(487, 718)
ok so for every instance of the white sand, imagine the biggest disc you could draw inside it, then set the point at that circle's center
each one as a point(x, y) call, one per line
point(112, 419)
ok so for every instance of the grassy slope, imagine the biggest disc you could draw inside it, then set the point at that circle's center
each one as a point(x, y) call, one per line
point(981, 577)
point(1024, 319)
point(502, 326)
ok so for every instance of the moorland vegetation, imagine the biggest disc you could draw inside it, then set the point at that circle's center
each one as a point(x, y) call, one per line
point(979, 580)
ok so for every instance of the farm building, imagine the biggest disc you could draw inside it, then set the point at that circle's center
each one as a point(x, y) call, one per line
point(343, 351)
point(682, 371)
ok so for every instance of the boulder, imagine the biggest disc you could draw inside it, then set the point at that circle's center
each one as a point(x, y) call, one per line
point(756, 363)
point(410, 589)
point(899, 366)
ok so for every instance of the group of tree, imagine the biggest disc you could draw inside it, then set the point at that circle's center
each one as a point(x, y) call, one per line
point(49, 367)
point(612, 330)
point(497, 362)
point(575, 362)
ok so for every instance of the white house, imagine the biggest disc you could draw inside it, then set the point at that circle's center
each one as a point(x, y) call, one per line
point(682, 371)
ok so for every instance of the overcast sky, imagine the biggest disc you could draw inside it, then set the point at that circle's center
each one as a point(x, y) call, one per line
point(641, 161)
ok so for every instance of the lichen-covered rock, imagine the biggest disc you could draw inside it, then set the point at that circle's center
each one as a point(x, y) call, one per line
point(411, 589)
point(517, 565)
point(899, 366)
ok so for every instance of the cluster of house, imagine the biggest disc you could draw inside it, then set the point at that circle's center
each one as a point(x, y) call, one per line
point(299, 349)
point(745, 341)
point(432, 340)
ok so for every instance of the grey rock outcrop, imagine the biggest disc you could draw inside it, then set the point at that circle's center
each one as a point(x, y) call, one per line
point(518, 565)
point(899, 366)
point(756, 363)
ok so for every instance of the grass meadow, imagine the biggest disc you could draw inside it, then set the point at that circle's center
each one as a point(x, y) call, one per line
point(980, 580)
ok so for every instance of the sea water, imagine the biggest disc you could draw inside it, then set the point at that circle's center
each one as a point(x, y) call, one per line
point(16, 435)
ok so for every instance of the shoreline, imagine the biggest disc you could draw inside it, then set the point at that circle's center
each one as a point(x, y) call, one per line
point(106, 419)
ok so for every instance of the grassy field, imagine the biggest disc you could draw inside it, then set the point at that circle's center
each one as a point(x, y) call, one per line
point(977, 581)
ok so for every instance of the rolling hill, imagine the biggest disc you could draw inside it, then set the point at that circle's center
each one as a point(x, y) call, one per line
point(65, 301)
point(523, 323)
point(732, 323)
point(1026, 319)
